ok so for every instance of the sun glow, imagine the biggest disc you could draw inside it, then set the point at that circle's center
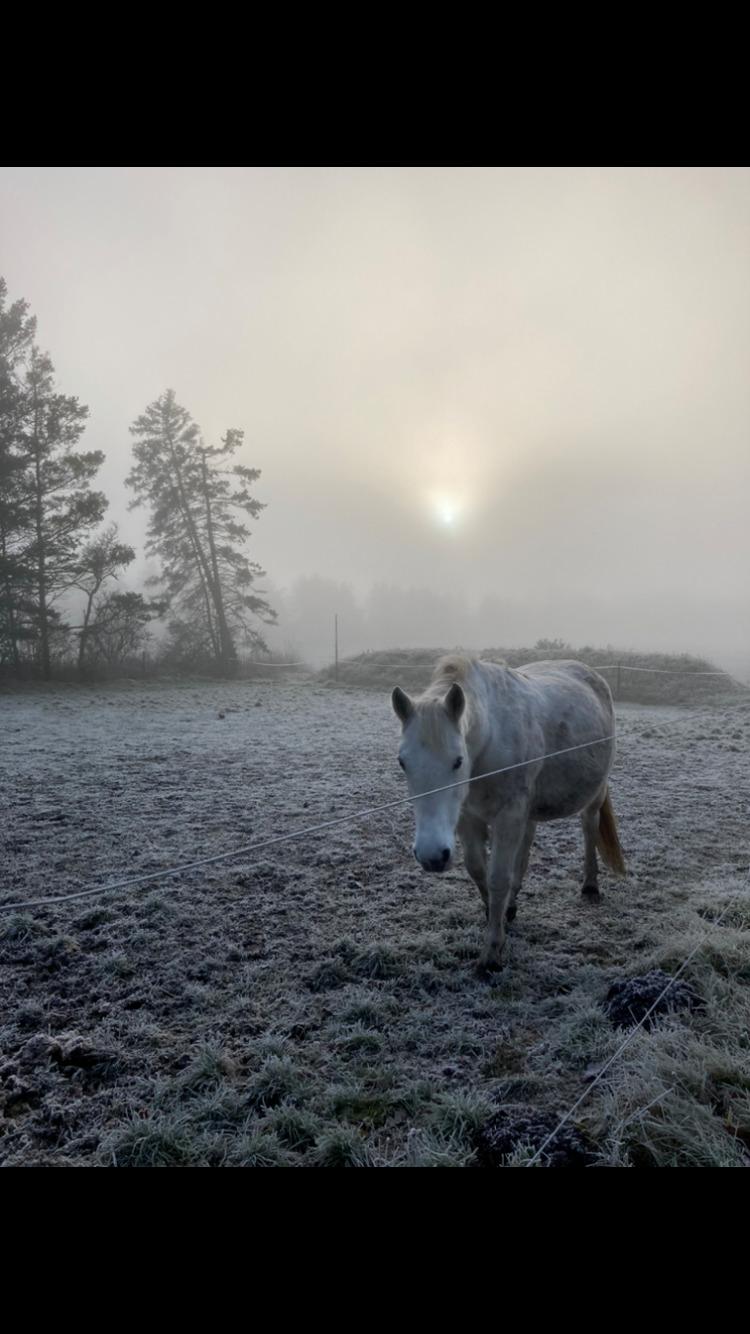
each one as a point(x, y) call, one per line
point(446, 511)
point(448, 462)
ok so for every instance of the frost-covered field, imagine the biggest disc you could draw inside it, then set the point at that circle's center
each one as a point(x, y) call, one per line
point(317, 1003)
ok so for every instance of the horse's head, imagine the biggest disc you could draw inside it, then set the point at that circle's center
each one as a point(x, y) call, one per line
point(433, 754)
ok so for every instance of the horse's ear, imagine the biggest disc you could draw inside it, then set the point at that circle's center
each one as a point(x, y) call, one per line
point(455, 701)
point(402, 705)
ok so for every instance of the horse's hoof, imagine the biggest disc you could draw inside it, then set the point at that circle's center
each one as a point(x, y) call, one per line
point(488, 968)
point(591, 892)
point(510, 915)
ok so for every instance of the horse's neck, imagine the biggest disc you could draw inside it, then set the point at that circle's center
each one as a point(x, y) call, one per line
point(484, 695)
point(477, 720)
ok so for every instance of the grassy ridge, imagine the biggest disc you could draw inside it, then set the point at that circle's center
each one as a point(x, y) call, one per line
point(670, 678)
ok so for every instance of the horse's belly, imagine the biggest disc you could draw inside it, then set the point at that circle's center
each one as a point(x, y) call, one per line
point(559, 810)
point(559, 793)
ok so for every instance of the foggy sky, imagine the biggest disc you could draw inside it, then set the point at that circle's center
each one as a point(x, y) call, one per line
point(557, 357)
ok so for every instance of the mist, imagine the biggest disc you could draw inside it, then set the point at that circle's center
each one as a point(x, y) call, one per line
point(488, 405)
point(259, 910)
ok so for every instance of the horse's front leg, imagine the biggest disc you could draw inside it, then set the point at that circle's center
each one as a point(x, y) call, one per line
point(508, 831)
point(473, 835)
point(519, 871)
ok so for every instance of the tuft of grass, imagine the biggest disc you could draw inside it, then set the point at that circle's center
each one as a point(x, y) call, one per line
point(417, 1097)
point(220, 1111)
point(342, 1147)
point(723, 951)
point(94, 917)
point(360, 1041)
point(457, 1116)
point(368, 1012)
point(345, 948)
point(30, 1016)
point(20, 928)
point(379, 963)
point(270, 1044)
point(119, 964)
point(522, 1156)
point(278, 1080)
point(359, 1104)
point(155, 1142)
point(431, 1148)
point(260, 1148)
point(207, 1070)
point(672, 1130)
point(294, 1127)
point(158, 904)
point(581, 1035)
point(328, 975)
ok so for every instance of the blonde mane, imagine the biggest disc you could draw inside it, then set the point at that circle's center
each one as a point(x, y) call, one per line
point(453, 667)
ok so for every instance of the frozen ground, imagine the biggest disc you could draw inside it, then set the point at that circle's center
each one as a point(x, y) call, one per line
point(318, 1004)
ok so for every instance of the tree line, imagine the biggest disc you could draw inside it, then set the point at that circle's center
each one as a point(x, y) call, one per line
point(60, 605)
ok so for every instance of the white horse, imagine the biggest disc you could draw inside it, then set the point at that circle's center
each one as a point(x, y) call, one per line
point(477, 717)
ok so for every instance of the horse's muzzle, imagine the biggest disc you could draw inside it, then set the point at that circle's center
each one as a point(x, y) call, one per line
point(437, 864)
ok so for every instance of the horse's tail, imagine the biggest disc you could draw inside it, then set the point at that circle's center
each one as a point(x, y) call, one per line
point(607, 840)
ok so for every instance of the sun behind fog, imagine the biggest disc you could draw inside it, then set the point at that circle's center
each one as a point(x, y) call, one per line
point(446, 512)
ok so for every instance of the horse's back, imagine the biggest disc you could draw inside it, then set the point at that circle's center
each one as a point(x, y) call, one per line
point(565, 675)
point(565, 667)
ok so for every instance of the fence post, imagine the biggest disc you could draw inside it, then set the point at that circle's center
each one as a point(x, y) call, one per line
point(336, 645)
point(619, 673)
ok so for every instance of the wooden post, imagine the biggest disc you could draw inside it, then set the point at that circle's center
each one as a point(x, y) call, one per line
point(336, 644)
point(619, 672)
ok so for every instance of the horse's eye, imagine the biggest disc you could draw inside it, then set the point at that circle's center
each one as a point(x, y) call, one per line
point(458, 763)
point(401, 762)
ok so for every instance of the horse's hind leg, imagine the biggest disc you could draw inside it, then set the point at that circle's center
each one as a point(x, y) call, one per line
point(590, 823)
point(473, 835)
point(522, 863)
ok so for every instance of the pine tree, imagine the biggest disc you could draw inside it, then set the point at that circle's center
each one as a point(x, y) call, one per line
point(46, 505)
point(99, 561)
point(17, 329)
point(57, 480)
point(118, 629)
point(195, 531)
